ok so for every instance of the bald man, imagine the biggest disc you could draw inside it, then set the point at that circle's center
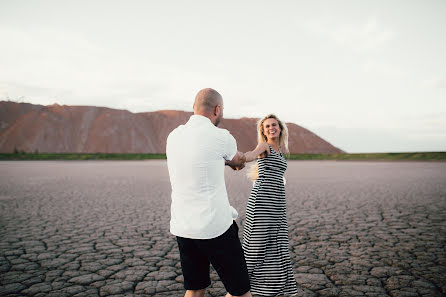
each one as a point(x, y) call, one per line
point(201, 217)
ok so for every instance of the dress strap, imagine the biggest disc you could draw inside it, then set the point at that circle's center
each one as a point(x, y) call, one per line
point(271, 150)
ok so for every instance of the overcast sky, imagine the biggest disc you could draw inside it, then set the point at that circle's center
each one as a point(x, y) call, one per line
point(367, 76)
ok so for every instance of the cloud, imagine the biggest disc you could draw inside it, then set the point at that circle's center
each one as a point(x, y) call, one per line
point(23, 92)
point(426, 125)
point(378, 67)
point(46, 65)
point(434, 83)
point(367, 36)
point(377, 140)
point(47, 58)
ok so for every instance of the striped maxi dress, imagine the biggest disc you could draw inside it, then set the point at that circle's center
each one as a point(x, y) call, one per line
point(265, 234)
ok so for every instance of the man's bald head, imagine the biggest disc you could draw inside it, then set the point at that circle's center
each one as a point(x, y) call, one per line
point(206, 101)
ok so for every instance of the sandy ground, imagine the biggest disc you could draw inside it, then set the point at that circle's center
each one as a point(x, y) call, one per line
point(100, 228)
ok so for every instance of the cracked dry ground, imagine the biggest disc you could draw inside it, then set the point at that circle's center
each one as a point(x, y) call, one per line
point(100, 228)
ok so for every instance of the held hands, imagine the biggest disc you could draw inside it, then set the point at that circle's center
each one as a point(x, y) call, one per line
point(240, 159)
point(235, 167)
point(238, 162)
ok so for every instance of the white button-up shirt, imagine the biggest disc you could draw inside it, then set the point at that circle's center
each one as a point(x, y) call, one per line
point(196, 154)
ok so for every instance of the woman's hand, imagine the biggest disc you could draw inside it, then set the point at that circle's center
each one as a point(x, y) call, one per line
point(261, 150)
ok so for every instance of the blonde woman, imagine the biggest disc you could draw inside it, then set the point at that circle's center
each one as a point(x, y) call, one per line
point(265, 234)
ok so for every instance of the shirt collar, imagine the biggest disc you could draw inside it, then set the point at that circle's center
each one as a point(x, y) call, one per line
point(199, 118)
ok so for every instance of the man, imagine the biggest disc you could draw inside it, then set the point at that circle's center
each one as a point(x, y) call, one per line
point(201, 216)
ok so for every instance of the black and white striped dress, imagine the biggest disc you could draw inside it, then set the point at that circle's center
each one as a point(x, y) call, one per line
point(265, 234)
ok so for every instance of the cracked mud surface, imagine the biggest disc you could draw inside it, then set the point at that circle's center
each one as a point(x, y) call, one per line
point(100, 228)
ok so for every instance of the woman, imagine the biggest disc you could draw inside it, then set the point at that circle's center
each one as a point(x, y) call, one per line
point(265, 234)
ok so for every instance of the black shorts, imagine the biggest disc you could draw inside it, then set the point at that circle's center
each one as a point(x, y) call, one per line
point(224, 252)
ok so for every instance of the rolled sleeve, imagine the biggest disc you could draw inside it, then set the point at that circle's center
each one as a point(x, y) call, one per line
point(230, 148)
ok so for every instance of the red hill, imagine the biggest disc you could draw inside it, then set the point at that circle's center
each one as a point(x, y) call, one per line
point(90, 129)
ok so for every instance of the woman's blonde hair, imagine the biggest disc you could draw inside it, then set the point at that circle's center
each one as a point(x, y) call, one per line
point(253, 172)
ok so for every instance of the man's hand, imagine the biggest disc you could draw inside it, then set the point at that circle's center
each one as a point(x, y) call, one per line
point(238, 162)
point(235, 167)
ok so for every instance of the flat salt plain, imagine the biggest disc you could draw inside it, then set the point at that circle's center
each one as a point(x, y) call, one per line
point(100, 228)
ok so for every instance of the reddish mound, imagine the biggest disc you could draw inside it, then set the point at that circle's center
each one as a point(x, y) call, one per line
point(89, 129)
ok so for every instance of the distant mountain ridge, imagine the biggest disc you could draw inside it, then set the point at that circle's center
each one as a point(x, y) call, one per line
point(90, 129)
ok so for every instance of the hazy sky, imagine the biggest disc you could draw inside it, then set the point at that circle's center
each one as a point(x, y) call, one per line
point(367, 76)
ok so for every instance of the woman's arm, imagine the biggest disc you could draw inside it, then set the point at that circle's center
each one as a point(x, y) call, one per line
point(260, 149)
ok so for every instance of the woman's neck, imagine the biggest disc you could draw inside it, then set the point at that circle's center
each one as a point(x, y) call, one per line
point(274, 143)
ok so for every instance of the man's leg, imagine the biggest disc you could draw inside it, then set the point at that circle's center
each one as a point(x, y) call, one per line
point(226, 255)
point(195, 293)
point(195, 267)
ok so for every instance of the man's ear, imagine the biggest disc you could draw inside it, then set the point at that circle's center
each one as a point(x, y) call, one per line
point(216, 110)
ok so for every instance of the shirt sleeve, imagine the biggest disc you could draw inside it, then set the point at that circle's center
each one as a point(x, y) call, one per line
point(230, 147)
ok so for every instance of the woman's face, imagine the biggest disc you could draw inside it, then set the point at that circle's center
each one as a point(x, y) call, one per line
point(271, 129)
